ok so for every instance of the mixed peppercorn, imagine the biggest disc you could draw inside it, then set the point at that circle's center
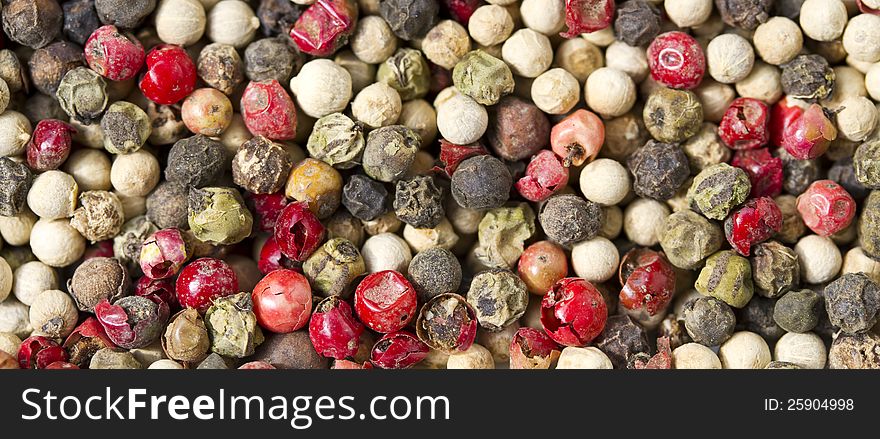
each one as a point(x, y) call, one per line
point(365, 184)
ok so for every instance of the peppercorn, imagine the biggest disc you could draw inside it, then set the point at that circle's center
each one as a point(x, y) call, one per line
point(124, 13)
point(688, 238)
point(142, 320)
point(163, 254)
point(316, 183)
point(389, 152)
point(337, 140)
point(80, 20)
point(220, 66)
point(672, 115)
point(185, 338)
point(621, 339)
point(16, 132)
point(447, 323)
point(659, 170)
point(460, 119)
point(433, 272)
point(859, 351)
point(207, 111)
point(502, 233)
point(727, 277)
point(323, 87)
point(232, 326)
point(99, 216)
point(744, 15)
point(333, 267)
point(213, 361)
point(517, 129)
point(324, 26)
point(409, 20)
point(861, 36)
point(49, 64)
point(499, 298)
point(344, 225)
point(717, 189)
point(364, 197)
point(373, 41)
point(406, 72)
point(567, 219)
point(195, 161)
point(637, 22)
point(260, 166)
point(126, 127)
point(869, 232)
point(127, 244)
point(398, 350)
point(709, 321)
point(270, 58)
point(298, 231)
point(90, 168)
point(277, 16)
point(386, 251)
point(166, 206)
point(753, 222)
point(268, 110)
point(853, 302)
point(53, 195)
point(483, 77)
point(481, 182)
point(418, 202)
point(867, 165)
point(775, 269)
point(611, 92)
point(361, 73)
point(808, 77)
point(113, 358)
point(16, 179)
point(218, 215)
point(82, 95)
point(32, 23)
point(798, 311)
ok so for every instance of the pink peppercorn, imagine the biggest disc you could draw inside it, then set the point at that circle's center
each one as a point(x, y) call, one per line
point(385, 301)
point(163, 253)
point(585, 16)
point(744, 124)
point(531, 347)
point(578, 138)
point(161, 289)
point(826, 207)
point(573, 312)
point(764, 171)
point(38, 352)
point(544, 176)
point(50, 145)
point(268, 110)
point(676, 60)
point(256, 365)
point(282, 301)
point(755, 222)
point(334, 330)
point(203, 281)
point(267, 208)
point(325, 26)
point(782, 114)
point(398, 350)
point(648, 281)
point(100, 249)
point(298, 232)
point(451, 155)
point(171, 75)
point(810, 135)
point(114, 55)
point(461, 10)
point(271, 258)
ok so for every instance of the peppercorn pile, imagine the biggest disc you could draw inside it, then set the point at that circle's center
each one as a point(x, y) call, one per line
point(535, 184)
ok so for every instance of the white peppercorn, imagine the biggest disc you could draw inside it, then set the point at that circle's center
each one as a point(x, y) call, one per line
point(848, 83)
point(528, 53)
point(322, 87)
point(764, 83)
point(99, 217)
point(856, 261)
point(498, 343)
point(53, 314)
point(579, 57)
point(555, 91)
point(377, 105)
point(91, 136)
point(165, 364)
point(475, 357)
point(605, 181)
point(730, 58)
point(90, 168)
point(232, 22)
point(595, 260)
point(5, 279)
point(440, 236)
point(823, 20)
point(15, 132)
point(601, 38)
point(694, 356)
point(573, 357)
point(419, 116)
point(857, 118)
point(446, 43)
point(16, 230)
point(180, 22)
point(861, 39)
point(872, 81)
point(461, 120)
point(778, 40)
point(59, 245)
point(544, 16)
point(135, 174)
point(31, 279)
point(744, 350)
point(14, 318)
point(819, 258)
point(385, 223)
point(53, 195)
point(9, 343)
point(490, 25)
point(631, 60)
point(4, 95)
point(715, 98)
point(362, 74)
point(610, 92)
point(688, 13)
point(386, 251)
point(805, 350)
point(132, 206)
point(643, 219)
point(373, 41)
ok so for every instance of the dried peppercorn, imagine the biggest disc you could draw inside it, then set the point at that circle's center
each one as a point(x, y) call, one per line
point(206, 111)
point(855, 352)
point(718, 189)
point(15, 182)
point(80, 20)
point(867, 165)
point(166, 206)
point(727, 277)
point(133, 321)
point(337, 140)
point(316, 183)
point(124, 13)
point(775, 269)
point(545, 175)
point(333, 267)
point(204, 280)
point(298, 231)
point(541, 265)
point(407, 72)
point(114, 358)
point(709, 321)
point(447, 323)
point(232, 326)
point(390, 151)
point(364, 197)
point(637, 22)
point(843, 173)
point(99, 217)
point(171, 75)
point(161, 289)
point(324, 26)
point(499, 298)
point(218, 215)
point(114, 55)
point(869, 232)
point(221, 67)
point(532, 349)
point(270, 58)
point(277, 16)
point(385, 301)
point(163, 254)
point(517, 129)
point(573, 312)
point(586, 16)
point(49, 64)
point(826, 207)
point(32, 23)
point(292, 350)
point(38, 352)
point(268, 110)
point(333, 330)
point(49, 145)
point(659, 169)
point(745, 15)
point(433, 272)
point(266, 209)
point(82, 95)
point(798, 311)
point(688, 238)
point(195, 161)
point(88, 338)
point(754, 222)
point(672, 115)
point(127, 245)
point(765, 171)
point(853, 302)
point(261, 166)
point(744, 124)
point(502, 233)
point(621, 339)
point(186, 338)
point(798, 173)
point(567, 219)
point(675, 59)
point(418, 202)
point(98, 279)
point(398, 350)
point(481, 182)
point(126, 128)
point(648, 281)
point(409, 19)
point(809, 135)
point(808, 77)
point(483, 77)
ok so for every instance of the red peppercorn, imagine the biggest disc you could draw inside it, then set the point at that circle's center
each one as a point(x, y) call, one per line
point(530, 347)
point(810, 135)
point(385, 301)
point(61, 365)
point(157, 289)
point(461, 10)
point(163, 253)
point(203, 281)
point(171, 75)
point(744, 124)
point(130, 323)
point(49, 145)
point(272, 259)
point(826, 207)
point(100, 249)
point(541, 265)
point(268, 110)
point(346, 364)
point(578, 138)
point(267, 208)
point(282, 301)
point(544, 176)
point(782, 114)
point(334, 330)
point(325, 26)
point(398, 350)
point(573, 312)
point(648, 281)
point(85, 340)
point(298, 232)
point(114, 55)
point(38, 352)
point(451, 155)
point(764, 171)
point(676, 60)
point(755, 222)
point(585, 16)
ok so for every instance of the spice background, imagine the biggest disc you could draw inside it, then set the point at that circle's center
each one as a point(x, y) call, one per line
point(535, 184)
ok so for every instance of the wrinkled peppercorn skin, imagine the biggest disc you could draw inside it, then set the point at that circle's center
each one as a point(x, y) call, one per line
point(853, 302)
point(659, 169)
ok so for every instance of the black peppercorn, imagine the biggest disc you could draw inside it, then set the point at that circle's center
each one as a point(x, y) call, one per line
point(39, 107)
point(843, 172)
point(434, 271)
point(290, 351)
point(790, 9)
point(621, 339)
point(797, 174)
point(365, 198)
point(166, 206)
point(277, 16)
point(49, 64)
point(709, 321)
point(271, 58)
point(481, 182)
point(757, 317)
point(80, 20)
point(409, 19)
point(659, 169)
point(808, 77)
point(746, 14)
point(126, 14)
point(798, 311)
point(567, 219)
point(637, 22)
point(15, 182)
point(869, 226)
point(261, 166)
point(418, 202)
point(32, 23)
point(853, 302)
point(196, 161)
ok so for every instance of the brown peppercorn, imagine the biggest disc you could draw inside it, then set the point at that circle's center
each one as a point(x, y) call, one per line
point(481, 182)
point(220, 66)
point(196, 161)
point(860, 351)
point(621, 339)
point(80, 20)
point(261, 166)
point(32, 23)
point(186, 337)
point(775, 269)
point(418, 202)
point(49, 64)
point(659, 169)
point(290, 351)
point(99, 217)
point(271, 58)
point(316, 183)
point(97, 279)
point(15, 182)
point(166, 206)
point(744, 14)
point(344, 225)
point(709, 321)
point(517, 129)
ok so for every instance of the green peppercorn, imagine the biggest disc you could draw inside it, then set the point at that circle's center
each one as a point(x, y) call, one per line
point(798, 311)
point(869, 226)
point(709, 321)
point(502, 234)
point(673, 116)
point(775, 269)
point(407, 72)
point(82, 94)
point(483, 77)
point(333, 267)
point(688, 238)
point(186, 337)
point(866, 162)
point(390, 152)
point(261, 166)
point(727, 276)
point(337, 140)
point(232, 326)
point(126, 127)
point(718, 189)
point(218, 215)
point(418, 202)
point(499, 297)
